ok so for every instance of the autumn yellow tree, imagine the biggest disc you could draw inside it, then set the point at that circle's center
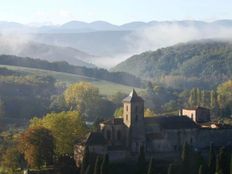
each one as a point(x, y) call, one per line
point(66, 128)
point(37, 146)
point(83, 97)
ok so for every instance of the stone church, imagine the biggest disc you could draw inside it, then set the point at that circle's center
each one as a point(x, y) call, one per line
point(161, 136)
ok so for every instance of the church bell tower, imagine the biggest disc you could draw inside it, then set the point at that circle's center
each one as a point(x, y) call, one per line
point(133, 118)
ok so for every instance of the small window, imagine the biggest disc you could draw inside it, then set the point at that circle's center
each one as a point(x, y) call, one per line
point(126, 117)
point(126, 107)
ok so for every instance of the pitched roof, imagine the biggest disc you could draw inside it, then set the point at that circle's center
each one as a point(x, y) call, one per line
point(133, 97)
point(95, 138)
point(114, 121)
point(172, 122)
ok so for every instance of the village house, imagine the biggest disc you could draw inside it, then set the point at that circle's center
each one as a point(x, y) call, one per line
point(197, 114)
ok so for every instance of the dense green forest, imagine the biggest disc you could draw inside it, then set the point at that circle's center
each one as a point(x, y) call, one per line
point(166, 100)
point(23, 95)
point(195, 64)
point(101, 74)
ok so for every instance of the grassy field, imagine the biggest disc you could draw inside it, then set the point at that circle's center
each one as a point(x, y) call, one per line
point(105, 87)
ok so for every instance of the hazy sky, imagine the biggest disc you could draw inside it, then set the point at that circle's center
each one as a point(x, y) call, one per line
point(114, 11)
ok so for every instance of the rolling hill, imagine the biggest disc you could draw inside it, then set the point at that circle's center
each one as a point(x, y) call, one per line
point(105, 87)
point(47, 52)
point(96, 73)
point(206, 60)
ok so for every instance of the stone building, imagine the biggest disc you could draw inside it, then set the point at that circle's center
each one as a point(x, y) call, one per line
point(198, 114)
point(161, 136)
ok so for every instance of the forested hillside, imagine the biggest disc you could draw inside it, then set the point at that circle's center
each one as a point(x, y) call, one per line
point(194, 64)
point(22, 96)
point(101, 74)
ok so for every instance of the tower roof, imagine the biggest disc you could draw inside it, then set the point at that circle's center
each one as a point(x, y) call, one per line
point(133, 97)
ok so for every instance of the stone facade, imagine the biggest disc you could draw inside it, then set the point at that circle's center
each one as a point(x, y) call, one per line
point(161, 136)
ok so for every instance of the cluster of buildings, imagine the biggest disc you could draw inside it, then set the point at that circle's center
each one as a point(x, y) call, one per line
point(161, 136)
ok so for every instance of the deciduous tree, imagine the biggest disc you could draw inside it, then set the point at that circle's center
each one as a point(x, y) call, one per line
point(66, 128)
point(37, 145)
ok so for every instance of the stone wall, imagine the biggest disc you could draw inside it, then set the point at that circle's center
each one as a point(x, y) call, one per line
point(219, 137)
point(172, 140)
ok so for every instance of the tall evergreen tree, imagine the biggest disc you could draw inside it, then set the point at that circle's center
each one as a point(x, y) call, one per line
point(105, 165)
point(191, 160)
point(185, 157)
point(97, 166)
point(231, 164)
point(201, 170)
point(198, 98)
point(213, 99)
point(151, 167)
point(170, 169)
point(223, 163)
point(218, 165)
point(141, 161)
point(197, 162)
point(212, 160)
point(185, 152)
point(203, 98)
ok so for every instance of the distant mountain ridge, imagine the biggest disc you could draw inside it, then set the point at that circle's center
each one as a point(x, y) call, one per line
point(107, 40)
point(111, 44)
point(79, 26)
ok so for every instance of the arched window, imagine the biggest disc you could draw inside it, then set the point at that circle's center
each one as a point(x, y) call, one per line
point(126, 117)
point(126, 107)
